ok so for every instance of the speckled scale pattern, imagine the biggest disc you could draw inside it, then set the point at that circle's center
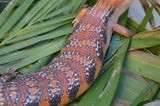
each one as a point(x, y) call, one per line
point(68, 75)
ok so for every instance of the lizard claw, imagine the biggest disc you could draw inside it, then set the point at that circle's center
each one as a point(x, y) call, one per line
point(12, 71)
point(75, 22)
point(9, 75)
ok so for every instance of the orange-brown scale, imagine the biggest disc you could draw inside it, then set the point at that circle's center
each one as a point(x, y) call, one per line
point(94, 21)
point(68, 70)
point(83, 51)
point(51, 77)
point(33, 87)
point(76, 67)
point(44, 90)
point(62, 76)
point(96, 47)
point(29, 88)
point(22, 91)
point(45, 99)
point(87, 35)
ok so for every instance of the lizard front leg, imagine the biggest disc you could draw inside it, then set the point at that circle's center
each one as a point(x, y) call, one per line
point(80, 15)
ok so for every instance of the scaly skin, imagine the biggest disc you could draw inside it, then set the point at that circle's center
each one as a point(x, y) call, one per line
point(76, 67)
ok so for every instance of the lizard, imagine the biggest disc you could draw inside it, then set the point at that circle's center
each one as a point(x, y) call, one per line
point(76, 67)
